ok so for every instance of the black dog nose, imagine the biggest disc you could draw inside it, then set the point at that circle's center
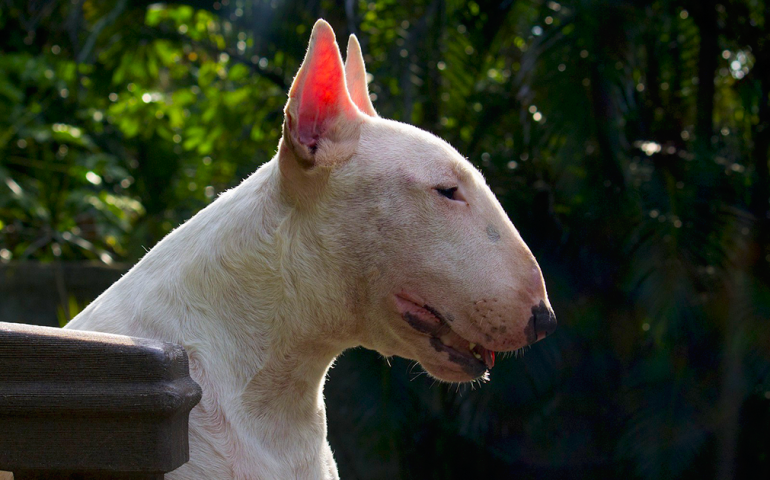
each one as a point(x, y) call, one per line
point(541, 324)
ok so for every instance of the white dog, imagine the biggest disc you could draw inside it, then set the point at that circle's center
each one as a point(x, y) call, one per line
point(361, 231)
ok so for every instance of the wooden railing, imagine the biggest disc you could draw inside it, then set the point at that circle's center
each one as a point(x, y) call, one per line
point(85, 405)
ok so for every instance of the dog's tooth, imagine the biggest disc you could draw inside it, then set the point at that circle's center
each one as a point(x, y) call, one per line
point(477, 355)
point(471, 346)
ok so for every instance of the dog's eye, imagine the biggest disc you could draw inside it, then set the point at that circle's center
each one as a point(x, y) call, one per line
point(447, 192)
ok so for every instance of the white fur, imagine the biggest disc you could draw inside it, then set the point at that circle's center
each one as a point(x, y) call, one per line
point(274, 279)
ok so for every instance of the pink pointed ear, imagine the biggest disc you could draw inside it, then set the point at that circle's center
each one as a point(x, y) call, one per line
point(355, 74)
point(319, 109)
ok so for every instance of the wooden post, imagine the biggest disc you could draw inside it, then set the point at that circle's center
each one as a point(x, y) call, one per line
point(86, 405)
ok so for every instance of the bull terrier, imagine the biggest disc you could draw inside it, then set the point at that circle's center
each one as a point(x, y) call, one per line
point(360, 231)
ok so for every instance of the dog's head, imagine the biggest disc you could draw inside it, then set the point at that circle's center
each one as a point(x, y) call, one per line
point(430, 266)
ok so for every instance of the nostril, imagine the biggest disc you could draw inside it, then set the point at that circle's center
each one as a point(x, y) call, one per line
point(541, 324)
point(545, 319)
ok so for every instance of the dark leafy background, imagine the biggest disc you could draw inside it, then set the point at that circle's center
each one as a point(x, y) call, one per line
point(627, 139)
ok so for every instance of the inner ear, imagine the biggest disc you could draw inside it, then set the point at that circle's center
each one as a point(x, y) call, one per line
point(319, 107)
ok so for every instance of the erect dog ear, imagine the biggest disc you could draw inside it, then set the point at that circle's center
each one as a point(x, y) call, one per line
point(322, 122)
point(355, 75)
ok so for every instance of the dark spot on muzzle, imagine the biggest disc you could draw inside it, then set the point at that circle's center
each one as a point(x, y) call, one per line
point(492, 233)
point(541, 324)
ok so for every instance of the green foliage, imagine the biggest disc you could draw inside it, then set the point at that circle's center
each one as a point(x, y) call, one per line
point(627, 140)
point(54, 202)
point(105, 156)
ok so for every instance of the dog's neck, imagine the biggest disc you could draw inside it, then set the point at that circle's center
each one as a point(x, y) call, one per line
point(250, 321)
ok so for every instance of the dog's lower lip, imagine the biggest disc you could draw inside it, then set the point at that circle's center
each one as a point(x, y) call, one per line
point(428, 321)
point(470, 365)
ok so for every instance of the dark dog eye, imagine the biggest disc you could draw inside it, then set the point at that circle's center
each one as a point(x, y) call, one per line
point(447, 192)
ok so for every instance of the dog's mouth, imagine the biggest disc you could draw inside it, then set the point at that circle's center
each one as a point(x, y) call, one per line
point(473, 358)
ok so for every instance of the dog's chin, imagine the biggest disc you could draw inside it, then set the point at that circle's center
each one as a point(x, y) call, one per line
point(451, 371)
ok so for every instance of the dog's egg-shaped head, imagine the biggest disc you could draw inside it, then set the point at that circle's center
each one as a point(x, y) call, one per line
point(430, 267)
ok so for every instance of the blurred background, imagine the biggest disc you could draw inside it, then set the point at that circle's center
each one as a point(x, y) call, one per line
point(627, 139)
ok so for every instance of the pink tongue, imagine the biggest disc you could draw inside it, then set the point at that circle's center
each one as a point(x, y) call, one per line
point(489, 358)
